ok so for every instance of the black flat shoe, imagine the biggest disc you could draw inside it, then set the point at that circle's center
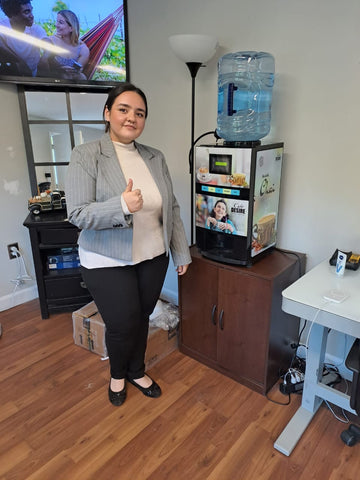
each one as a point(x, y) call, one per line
point(117, 398)
point(154, 391)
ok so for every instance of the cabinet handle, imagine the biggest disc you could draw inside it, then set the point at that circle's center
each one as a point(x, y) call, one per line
point(83, 285)
point(221, 320)
point(213, 311)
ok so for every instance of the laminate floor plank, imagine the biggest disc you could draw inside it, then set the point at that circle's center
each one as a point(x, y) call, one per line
point(56, 422)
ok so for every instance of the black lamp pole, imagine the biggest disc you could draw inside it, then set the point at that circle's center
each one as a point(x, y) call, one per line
point(193, 68)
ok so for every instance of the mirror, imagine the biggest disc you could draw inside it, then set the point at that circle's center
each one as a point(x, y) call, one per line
point(87, 133)
point(46, 106)
point(87, 106)
point(55, 123)
point(51, 143)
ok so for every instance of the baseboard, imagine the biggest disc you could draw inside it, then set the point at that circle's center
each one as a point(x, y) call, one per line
point(20, 296)
point(27, 294)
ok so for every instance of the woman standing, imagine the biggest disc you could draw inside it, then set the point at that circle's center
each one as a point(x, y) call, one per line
point(69, 65)
point(119, 193)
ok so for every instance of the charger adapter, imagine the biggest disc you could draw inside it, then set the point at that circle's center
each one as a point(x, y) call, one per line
point(335, 295)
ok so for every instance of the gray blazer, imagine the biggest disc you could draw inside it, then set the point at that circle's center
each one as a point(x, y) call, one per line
point(93, 187)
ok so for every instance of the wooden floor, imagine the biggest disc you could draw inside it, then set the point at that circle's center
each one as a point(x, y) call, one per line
point(56, 422)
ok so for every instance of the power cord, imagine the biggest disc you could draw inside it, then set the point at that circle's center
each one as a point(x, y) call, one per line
point(292, 381)
point(333, 369)
point(293, 378)
point(191, 160)
point(292, 253)
point(334, 414)
point(279, 403)
point(22, 275)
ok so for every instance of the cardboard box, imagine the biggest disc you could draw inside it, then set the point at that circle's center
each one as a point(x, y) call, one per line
point(89, 329)
point(89, 333)
point(160, 344)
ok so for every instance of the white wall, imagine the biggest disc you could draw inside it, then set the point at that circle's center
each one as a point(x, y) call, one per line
point(315, 110)
point(14, 193)
point(315, 105)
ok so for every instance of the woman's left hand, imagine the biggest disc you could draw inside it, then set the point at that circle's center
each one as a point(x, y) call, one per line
point(182, 269)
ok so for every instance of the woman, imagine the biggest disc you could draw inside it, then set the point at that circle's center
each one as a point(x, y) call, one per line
point(219, 220)
point(68, 65)
point(119, 193)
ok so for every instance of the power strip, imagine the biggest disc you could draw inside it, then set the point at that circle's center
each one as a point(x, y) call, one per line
point(287, 388)
point(293, 381)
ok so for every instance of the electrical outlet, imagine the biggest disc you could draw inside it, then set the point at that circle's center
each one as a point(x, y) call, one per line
point(12, 254)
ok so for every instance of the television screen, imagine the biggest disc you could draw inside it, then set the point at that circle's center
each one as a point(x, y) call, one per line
point(70, 43)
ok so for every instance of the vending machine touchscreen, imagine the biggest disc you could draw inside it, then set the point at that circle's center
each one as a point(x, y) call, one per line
point(236, 201)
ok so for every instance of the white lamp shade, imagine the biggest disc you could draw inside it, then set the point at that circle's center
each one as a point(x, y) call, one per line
point(193, 48)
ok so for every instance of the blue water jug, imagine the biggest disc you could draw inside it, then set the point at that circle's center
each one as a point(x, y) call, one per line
point(245, 82)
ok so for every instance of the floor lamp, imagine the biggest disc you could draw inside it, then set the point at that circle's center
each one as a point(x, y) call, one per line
point(194, 50)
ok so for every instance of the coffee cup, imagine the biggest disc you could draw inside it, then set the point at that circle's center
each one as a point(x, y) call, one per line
point(203, 172)
point(264, 229)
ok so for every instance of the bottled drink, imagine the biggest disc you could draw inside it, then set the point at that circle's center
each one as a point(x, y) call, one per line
point(245, 81)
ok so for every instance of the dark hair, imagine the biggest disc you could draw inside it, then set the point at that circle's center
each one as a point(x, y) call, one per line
point(212, 213)
point(12, 7)
point(118, 90)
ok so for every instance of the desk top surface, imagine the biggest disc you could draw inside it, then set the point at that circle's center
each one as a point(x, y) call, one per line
point(47, 218)
point(305, 297)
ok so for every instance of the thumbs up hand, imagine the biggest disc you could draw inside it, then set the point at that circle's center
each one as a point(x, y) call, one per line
point(133, 198)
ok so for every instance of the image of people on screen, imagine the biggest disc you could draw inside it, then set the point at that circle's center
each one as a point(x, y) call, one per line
point(218, 220)
point(68, 65)
point(18, 52)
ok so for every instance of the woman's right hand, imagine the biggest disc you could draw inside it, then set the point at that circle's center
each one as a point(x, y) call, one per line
point(133, 198)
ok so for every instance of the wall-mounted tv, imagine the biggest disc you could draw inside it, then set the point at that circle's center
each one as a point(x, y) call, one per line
point(75, 43)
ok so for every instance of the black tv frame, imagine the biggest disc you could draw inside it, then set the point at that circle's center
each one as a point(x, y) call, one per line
point(85, 85)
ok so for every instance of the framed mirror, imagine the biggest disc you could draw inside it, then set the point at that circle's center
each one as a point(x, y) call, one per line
point(53, 123)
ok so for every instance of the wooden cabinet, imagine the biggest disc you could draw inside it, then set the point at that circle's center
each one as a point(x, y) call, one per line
point(59, 289)
point(231, 317)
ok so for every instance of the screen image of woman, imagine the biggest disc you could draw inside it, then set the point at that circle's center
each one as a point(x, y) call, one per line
point(68, 65)
point(218, 220)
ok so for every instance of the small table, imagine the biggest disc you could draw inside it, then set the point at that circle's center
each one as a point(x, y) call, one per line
point(59, 289)
point(305, 299)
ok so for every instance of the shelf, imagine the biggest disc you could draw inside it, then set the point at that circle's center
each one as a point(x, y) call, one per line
point(54, 246)
point(59, 289)
point(64, 272)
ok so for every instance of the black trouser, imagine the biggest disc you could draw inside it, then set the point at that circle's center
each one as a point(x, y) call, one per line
point(126, 297)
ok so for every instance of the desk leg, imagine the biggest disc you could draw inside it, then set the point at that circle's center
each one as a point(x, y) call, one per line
point(310, 402)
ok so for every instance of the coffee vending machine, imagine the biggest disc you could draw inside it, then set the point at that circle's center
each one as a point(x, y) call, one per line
point(237, 192)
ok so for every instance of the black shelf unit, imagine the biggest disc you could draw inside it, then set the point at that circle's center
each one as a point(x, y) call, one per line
point(59, 290)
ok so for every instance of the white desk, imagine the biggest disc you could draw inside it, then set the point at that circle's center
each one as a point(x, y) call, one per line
point(304, 299)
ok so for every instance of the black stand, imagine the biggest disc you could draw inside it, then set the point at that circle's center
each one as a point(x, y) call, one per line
point(193, 68)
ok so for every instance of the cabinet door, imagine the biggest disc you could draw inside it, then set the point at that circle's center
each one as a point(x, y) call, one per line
point(244, 319)
point(199, 309)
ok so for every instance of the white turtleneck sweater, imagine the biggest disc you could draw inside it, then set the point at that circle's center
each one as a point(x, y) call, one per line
point(148, 239)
